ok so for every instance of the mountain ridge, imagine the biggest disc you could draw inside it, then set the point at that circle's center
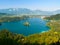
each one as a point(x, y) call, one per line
point(25, 11)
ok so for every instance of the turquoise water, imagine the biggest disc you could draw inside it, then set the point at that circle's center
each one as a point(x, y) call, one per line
point(37, 25)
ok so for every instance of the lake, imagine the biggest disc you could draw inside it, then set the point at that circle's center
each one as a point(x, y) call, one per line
point(37, 25)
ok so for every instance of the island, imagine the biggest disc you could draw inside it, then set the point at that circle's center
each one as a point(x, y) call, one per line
point(26, 23)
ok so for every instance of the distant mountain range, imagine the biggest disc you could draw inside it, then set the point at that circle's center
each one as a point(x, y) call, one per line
point(25, 11)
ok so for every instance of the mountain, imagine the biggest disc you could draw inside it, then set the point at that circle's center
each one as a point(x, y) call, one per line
point(25, 11)
point(16, 11)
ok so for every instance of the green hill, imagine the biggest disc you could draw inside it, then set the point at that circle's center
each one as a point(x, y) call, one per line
point(54, 17)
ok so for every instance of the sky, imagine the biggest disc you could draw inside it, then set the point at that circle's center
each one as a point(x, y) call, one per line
point(46, 5)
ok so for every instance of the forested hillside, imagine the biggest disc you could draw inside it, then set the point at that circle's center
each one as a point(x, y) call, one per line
point(54, 17)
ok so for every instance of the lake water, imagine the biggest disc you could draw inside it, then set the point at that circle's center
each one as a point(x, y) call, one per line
point(37, 25)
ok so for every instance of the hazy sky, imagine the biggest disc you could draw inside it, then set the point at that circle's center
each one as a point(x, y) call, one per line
point(31, 4)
